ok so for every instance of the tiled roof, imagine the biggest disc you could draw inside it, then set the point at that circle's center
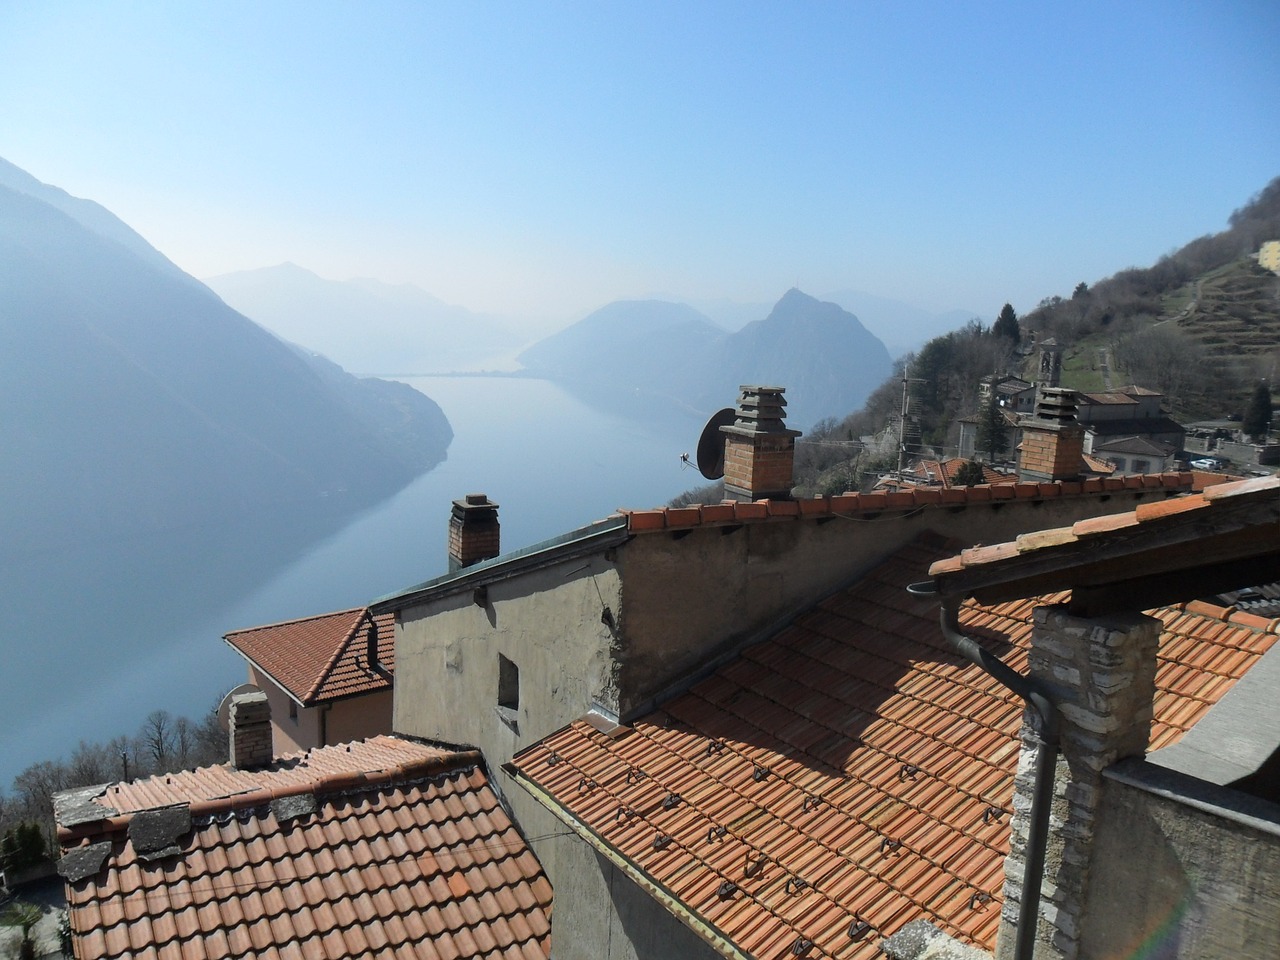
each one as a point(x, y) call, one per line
point(944, 471)
point(328, 854)
point(1235, 519)
point(1097, 464)
point(846, 777)
point(1136, 444)
point(322, 658)
point(862, 504)
point(1109, 399)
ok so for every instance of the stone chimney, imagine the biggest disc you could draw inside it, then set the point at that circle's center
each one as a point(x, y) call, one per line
point(473, 531)
point(1102, 672)
point(1052, 439)
point(759, 450)
point(250, 725)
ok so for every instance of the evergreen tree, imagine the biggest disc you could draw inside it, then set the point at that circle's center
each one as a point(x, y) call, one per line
point(1006, 324)
point(1257, 416)
point(969, 474)
point(993, 432)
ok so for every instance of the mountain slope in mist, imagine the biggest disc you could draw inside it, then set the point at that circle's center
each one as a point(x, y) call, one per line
point(365, 325)
point(827, 361)
point(136, 400)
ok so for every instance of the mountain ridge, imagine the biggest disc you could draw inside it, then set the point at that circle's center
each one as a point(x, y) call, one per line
point(821, 353)
point(363, 324)
point(135, 396)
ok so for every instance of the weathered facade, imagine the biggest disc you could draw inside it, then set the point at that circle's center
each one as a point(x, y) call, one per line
point(609, 619)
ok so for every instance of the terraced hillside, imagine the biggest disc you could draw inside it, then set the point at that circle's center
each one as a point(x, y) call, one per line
point(1233, 311)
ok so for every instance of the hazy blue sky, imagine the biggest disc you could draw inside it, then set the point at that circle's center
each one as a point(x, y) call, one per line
point(544, 158)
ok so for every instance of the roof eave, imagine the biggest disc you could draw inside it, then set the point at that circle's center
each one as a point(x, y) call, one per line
point(577, 543)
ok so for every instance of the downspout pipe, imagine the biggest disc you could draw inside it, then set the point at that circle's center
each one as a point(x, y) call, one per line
point(1045, 723)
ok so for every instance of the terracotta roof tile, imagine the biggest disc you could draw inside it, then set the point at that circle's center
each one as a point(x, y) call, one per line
point(852, 751)
point(909, 498)
point(322, 658)
point(360, 871)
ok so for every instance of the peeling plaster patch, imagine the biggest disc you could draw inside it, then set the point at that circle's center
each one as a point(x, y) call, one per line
point(83, 862)
point(74, 807)
point(291, 808)
point(154, 832)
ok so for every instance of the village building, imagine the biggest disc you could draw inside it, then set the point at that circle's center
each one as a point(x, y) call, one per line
point(732, 730)
point(378, 848)
point(327, 678)
point(603, 625)
point(1131, 411)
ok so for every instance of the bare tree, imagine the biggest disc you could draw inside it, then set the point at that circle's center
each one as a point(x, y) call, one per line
point(157, 738)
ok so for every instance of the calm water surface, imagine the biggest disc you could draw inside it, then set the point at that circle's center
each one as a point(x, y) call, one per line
point(96, 641)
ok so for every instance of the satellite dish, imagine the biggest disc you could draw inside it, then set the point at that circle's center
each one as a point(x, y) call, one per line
point(711, 444)
point(224, 708)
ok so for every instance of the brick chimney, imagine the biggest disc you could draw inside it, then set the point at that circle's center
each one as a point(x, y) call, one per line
point(250, 725)
point(1052, 439)
point(759, 450)
point(473, 531)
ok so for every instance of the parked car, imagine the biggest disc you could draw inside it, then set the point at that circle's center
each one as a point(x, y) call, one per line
point(1208, 463)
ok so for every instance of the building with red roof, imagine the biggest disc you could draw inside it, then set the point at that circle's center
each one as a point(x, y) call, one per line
point(380, 848)
point(328, 678)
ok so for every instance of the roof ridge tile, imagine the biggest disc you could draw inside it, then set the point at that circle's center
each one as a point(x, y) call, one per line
point(327, 669)
point(294, 621)
point(852, 502)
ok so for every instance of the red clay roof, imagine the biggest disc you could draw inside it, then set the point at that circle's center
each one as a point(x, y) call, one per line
point(861, 504)
point(374, 849)
point(947, 470)
point(1118, 528)
point(317, 659)
point(851, 770)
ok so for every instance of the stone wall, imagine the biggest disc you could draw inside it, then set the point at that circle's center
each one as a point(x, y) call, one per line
point(1182, 870)
point(1101, 674)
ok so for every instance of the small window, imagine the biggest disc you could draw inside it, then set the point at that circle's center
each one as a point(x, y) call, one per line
point(293, 711)
point(508, 684)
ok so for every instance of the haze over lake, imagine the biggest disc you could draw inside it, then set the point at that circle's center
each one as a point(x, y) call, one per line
point(107, 632)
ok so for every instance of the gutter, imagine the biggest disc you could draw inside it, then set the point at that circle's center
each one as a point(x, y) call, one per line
point(1045, 723)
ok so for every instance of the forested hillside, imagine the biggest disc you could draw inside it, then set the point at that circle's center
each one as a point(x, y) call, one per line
point(1202, 326)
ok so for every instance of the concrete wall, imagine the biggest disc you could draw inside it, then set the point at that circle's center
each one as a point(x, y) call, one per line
point(674, 602)
point(548, 623)
point(338, 722)
point(711, 591)
point(1177, 880)
point(358, 718)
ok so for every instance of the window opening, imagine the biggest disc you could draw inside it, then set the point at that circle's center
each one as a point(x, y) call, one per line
point(508, 684)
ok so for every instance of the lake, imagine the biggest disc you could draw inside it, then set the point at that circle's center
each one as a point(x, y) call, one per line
point(97, 637)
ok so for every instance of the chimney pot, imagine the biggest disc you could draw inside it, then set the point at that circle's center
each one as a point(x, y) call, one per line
point(759, 450)
point(474, 532)
point(1052, 440)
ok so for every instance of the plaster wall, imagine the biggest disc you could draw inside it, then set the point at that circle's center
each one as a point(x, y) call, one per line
point(712, 590)
point(548, 623)
point(358, 718)
point(1177, 882)
point(288, 734)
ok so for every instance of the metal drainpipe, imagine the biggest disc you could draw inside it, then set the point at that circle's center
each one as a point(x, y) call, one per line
point(1045, 724)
